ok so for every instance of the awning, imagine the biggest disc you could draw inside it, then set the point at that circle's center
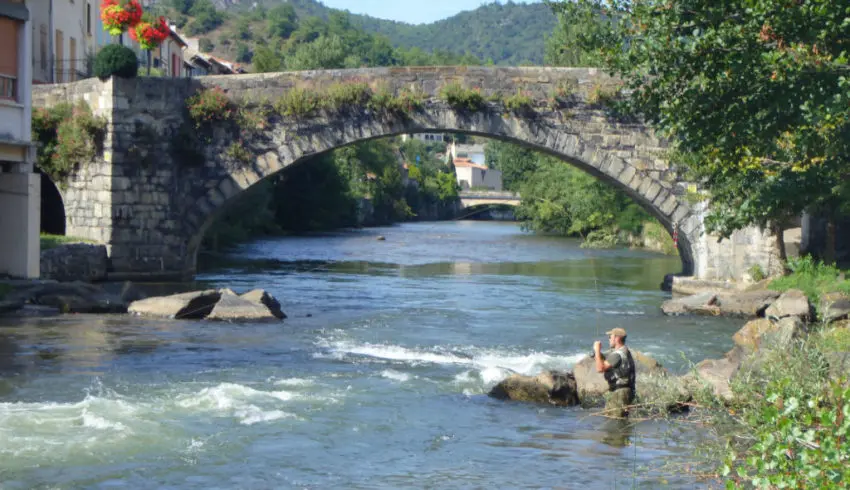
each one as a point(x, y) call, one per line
point(16, 11)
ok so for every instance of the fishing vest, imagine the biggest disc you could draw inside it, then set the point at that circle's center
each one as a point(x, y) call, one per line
point(622, 376)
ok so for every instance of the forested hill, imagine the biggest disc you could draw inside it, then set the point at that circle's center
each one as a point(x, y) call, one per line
point(509, 33)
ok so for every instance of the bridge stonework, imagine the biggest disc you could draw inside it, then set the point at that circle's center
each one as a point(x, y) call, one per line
point(150, 206)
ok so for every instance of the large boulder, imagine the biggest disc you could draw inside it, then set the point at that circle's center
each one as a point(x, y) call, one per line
point(834, 307)
point(591, 383)
point(193, 305)
point(702, 303)
point(551, 387)
point(70, 297)
point(787, 330)
point(231, 307)
point(791, 303)
point(270, 302)
point(717, 374)
point(839, 364)
point(750, 334)
point(214, 304)
point(745, 303)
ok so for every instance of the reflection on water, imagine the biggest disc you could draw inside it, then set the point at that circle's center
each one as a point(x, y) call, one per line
point(377, 379)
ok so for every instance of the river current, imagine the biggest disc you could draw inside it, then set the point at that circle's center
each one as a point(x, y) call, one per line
point(377, 379)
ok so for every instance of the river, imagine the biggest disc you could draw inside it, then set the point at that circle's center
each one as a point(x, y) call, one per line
point(377, 379)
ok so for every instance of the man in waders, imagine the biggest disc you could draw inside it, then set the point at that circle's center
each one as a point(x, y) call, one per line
point(618, 367)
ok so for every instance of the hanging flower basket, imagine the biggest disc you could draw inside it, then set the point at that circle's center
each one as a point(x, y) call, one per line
point(151, 34)
point(120, 15)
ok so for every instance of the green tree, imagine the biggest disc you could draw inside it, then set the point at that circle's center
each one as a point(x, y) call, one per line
point(516, 163)
point(266, 60)
point(282, 21)
point(324, 52)
point(754, 94)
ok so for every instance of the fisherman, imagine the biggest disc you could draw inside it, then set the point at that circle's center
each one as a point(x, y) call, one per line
point(618, 367)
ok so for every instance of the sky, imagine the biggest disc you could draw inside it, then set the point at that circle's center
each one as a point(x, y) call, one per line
point(410, 11)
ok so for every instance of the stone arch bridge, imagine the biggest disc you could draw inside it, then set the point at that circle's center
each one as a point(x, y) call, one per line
point(160, 182)
point(472, 199)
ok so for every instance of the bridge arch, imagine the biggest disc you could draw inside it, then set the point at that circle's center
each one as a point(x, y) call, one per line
point(540, 134)
point(152, 208)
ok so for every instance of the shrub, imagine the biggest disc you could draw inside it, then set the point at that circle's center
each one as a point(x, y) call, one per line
point(405, 102)
point(208, 106)
point(757, 273)
point(520, 102)
point(602, 95)
point(239, 153)
point(117, 60)
point(461, 98)
point(346, 96)
point(792, 424)
point(298, 102)
point(67, 136)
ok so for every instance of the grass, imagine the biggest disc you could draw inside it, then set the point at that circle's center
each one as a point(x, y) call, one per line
point(813, 277)
point(52, 241)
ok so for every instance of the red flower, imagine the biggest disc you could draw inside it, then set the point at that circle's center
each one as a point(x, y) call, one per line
point(149, 35)
point(120, 15)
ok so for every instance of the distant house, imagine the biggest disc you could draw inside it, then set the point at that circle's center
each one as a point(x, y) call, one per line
point(64, 36)
point(426, 137)
point(474, 153)
point(471, 175)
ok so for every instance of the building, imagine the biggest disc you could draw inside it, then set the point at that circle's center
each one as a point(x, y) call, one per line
point(20, 188)
point(475, 153)
point(64, 34)
point(426, 137)
point(471, 175)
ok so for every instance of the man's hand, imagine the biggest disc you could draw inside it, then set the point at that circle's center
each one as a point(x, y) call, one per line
point(597, 346)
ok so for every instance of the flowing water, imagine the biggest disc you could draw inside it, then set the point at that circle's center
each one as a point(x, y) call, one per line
point(377, 379)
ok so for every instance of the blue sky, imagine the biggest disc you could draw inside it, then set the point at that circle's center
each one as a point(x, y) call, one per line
point(412, 11)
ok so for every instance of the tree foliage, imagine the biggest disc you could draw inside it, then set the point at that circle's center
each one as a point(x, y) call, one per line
point(754, 94)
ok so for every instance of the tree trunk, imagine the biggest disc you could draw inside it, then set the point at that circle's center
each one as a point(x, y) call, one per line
point(779, 248)
point(829, 248)
point(149, 63)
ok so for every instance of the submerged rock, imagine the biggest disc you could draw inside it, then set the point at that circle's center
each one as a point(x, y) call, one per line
point(552, 387)
point(70, 297)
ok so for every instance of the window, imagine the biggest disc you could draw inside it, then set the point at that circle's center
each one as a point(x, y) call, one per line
point(59, 46)
point(43, 47)
point(88, 18)
point(9, 57)
point(8, 87)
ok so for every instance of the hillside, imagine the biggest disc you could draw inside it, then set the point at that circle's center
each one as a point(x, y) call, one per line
point(508, 34)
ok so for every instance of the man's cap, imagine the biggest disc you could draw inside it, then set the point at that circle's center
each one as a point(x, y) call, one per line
point(619, 332)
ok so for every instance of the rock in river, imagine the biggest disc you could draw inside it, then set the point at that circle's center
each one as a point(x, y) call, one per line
point(213, 304)
point(552, 387)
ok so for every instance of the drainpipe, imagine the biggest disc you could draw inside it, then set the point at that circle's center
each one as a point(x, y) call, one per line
point(51, 64)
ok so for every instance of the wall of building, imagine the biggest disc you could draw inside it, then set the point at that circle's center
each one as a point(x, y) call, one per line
point(19, 187)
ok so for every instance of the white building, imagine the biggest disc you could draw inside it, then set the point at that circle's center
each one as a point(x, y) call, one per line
point(426, 137)
point(20, 188)
point(474, 153)
point(471, 175)
point(64, 34)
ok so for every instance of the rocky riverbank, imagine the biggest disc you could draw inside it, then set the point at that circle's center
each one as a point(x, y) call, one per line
point(47, 297)
point(776, 321)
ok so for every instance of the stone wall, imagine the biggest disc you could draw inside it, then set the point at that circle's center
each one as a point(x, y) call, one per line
point(150, 199)
point(75, 262)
